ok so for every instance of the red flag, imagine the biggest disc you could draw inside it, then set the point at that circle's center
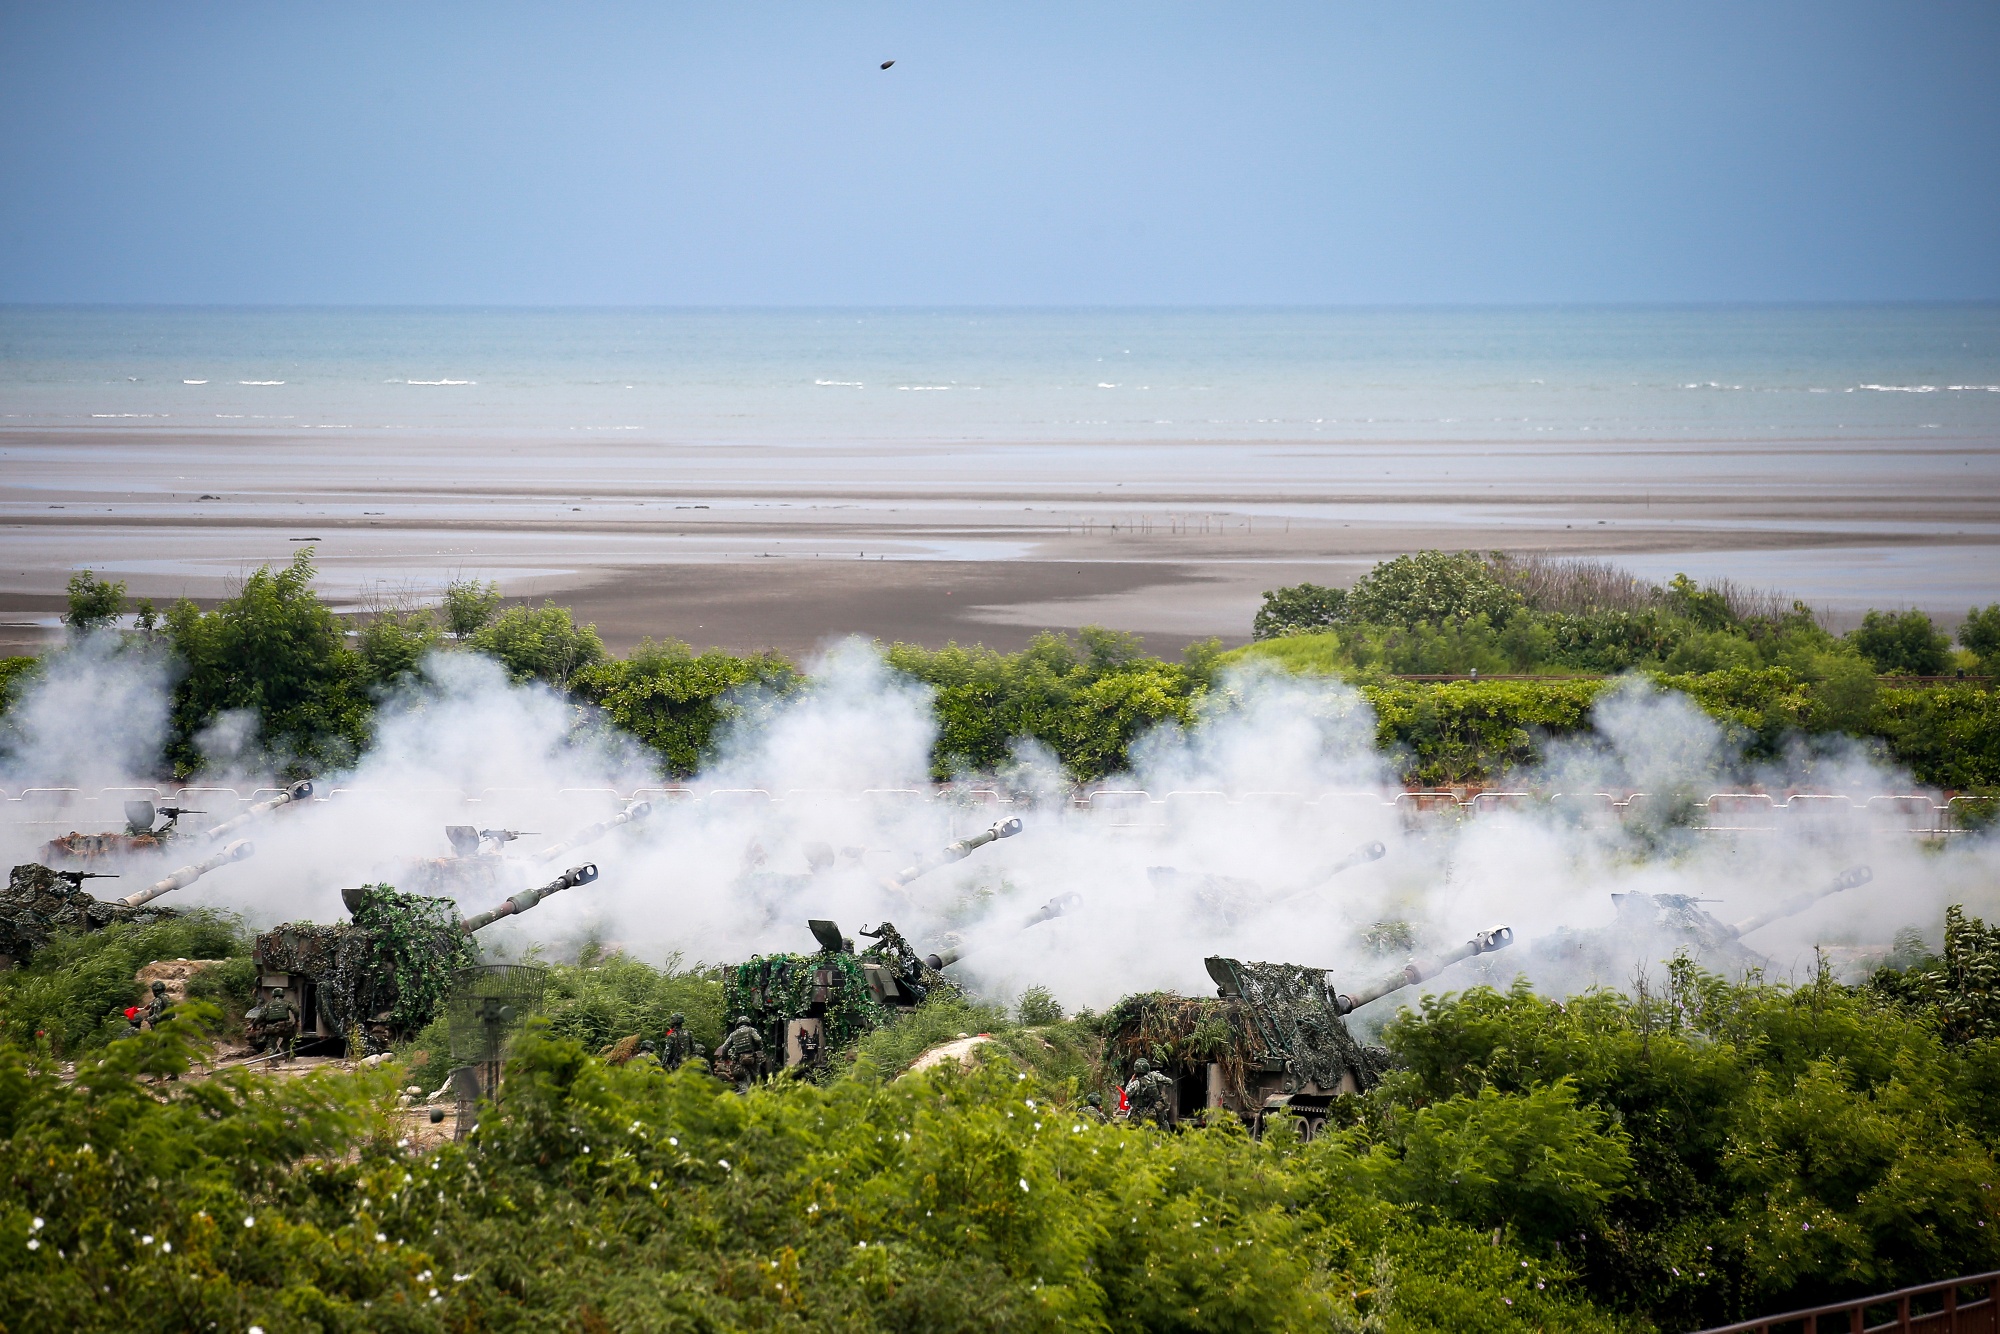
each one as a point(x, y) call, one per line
point(1123, 1104)
point(131, 1012)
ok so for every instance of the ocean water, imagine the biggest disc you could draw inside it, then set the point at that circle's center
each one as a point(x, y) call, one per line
point(1880, 374)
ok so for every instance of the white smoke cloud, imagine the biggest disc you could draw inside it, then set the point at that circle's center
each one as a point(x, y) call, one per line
point(95, 715)
point(827, 796)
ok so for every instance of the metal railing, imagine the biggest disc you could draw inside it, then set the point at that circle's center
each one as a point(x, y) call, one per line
point(1934, 1308)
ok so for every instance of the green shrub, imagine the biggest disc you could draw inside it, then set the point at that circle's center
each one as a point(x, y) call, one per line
point(604, 997)
point(1088, 707)
point(1980, 633)
point(393, 643)
point(674, 700)
point(540, 643)
point(1299, 609)
point(1904, 644)
point(93, 602)
point(1429, 587)
point(75, 989)
point(468, 606)
point(277, 651)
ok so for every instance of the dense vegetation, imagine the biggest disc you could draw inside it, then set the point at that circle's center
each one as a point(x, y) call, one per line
point(1697, 1152)
point(308, 681)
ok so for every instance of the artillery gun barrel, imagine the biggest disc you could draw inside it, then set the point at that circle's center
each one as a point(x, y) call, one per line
point(1367, 852)
point(1055, 907)
point(528, 898)
point(187, 875)
point(960, 850)
point(638, 810)
point(298, 791)
point(1852, 878)
point(1485, 942)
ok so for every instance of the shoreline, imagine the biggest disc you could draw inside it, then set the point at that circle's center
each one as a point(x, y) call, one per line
point(783, 546)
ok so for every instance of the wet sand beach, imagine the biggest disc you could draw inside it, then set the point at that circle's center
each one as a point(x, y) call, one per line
point(750, 544)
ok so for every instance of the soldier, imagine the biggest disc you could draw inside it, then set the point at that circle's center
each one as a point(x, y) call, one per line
point(809, 1047)
point(1148, 1094)
point(159, 1007)
point(273, 1024)
point(1093, 1108)
point(739, 1057)
point(677, 1045)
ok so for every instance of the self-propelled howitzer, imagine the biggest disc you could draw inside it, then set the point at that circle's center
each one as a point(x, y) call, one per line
point(479, 864)
point(40, 901)
point(387, 971)
point(807, 1007)
point(145, 836)
point(1656, 927)
point(1274, 1038)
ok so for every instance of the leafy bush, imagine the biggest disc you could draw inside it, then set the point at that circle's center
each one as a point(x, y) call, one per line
point(1980, 633)
point(74, 991)
point(1429, 587)
point(604, 997)
point(468, 606)
point(540, 643)
point(393, 643)
point(93, 602)
point(1299, 609)
point(1787, 1145)
point(1087, 707)
point(278, 652)
point(1904, 644)
point(674, 700)
point(602, 1197)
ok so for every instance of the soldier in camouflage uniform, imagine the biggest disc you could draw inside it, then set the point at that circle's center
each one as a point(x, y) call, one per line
point(1093, 1108)
point(677, 1045)
point(1149, 1094)
point(739, 1057)
point(159, 1007)
point(273, 1025)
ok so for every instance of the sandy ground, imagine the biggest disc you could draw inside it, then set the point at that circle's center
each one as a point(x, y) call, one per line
point(752, 546)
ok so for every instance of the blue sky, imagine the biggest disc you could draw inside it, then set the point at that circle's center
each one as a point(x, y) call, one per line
point(663, 153)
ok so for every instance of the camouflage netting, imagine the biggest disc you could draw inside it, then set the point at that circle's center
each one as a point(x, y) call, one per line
point(1177, 1032)
point(38, 903)
point(773, 988)
point(394, 963)
point(1288, 1018)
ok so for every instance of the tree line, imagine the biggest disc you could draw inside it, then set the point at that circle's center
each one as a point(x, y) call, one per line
point(312, 679)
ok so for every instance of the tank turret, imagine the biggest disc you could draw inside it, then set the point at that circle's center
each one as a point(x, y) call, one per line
point(40, 901)
point(386, 972)
point(479, 864)
point(1662, 925)
point(959, 851)
point(1274, 1038)
point(144, 835)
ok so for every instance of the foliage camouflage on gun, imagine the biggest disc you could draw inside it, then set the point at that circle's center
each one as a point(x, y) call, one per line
point(39, 902)
point(774, 988)
point(1289, 1016)
point(393, 964)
